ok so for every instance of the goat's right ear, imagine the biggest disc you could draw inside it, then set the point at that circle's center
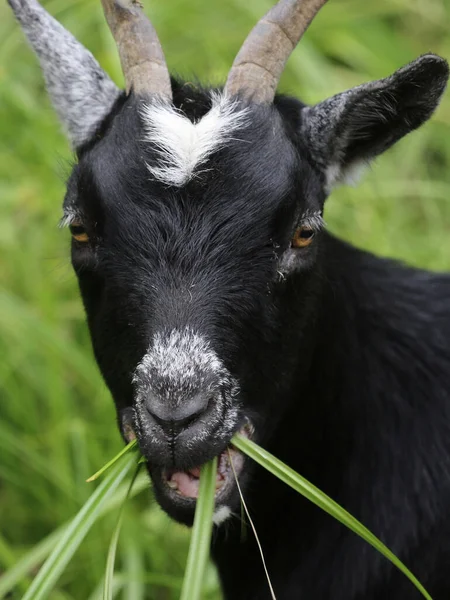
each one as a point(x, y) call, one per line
point(80, 90)
point(348, 130)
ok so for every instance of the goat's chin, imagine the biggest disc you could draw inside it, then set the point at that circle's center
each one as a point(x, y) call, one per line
point(177, 490)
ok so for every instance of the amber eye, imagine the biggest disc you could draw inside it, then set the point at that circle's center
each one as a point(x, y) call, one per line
point(79, 232)
point(303, 236)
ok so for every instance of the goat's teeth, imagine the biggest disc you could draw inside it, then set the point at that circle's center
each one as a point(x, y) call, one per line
point(172, 484)
point(248, 430)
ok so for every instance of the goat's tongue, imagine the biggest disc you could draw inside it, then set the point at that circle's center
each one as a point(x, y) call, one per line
point(185, 483)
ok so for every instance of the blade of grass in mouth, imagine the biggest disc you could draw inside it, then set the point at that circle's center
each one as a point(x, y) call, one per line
point(309, 491)
point(201, 534)
point(244, 506)
point(31, 560)
point(111, 462)
point(109, 572)
point(76, 531)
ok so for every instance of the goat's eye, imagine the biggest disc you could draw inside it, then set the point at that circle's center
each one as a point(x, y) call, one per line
point(79, 232)
point(303, 236)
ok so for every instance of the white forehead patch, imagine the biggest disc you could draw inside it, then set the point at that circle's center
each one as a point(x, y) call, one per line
point(183, 146)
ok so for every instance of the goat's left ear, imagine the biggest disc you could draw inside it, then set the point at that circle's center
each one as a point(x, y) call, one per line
point(81, 91)
point(348, 130)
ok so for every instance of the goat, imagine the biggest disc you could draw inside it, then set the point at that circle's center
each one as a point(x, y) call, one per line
point(217, 302)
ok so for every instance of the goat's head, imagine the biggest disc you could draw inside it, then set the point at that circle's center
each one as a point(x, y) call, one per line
point(195, 214)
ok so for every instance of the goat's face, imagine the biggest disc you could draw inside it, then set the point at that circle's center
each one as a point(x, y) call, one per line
point(192, 226)
point(181, 282)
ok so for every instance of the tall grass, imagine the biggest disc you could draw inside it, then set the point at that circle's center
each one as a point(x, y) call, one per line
point(57, 422)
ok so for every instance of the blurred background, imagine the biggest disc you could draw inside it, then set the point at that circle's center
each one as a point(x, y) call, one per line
point(57, 423)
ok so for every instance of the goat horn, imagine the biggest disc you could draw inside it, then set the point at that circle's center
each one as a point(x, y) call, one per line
point(141, 55)
point(260, 62)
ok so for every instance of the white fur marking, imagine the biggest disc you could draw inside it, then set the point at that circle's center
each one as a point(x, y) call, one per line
point(178, 364)
point(221, 514)
point(179, 356)
point(314, 220)
point(69, 217)
point(336, 175)
point(183, 146)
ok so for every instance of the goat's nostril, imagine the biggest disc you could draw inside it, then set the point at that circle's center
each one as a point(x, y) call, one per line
point(174, 419)
point(172, 427)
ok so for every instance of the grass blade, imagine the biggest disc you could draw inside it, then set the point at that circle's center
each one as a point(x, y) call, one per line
point(75, 532)
point(117, 586)
point(312, 493)
point(108, 589)
point(110, 463)
point(133, 562)
point(252, 525)
point(31, 560)
point(201, 534)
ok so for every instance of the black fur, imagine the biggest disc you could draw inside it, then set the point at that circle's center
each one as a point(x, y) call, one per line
point(342, 358)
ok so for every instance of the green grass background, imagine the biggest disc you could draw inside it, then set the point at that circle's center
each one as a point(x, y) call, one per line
point(57, 423)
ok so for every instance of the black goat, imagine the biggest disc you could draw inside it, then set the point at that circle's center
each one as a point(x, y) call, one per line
point(216, 302)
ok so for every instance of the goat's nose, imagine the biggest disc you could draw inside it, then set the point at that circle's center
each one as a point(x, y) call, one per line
point(174, 419)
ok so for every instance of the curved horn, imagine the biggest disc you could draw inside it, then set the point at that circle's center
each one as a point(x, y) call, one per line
point(141, 55)
point(260, 62)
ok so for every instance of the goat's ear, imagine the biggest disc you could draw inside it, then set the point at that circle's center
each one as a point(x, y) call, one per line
point(80, 90)
point(348, 130)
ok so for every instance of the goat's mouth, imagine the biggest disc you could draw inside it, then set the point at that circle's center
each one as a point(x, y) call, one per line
point(177, 490)
point(185, 484)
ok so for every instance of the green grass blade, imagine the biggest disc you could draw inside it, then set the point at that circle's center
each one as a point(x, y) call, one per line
point(74, 534)
point(110, 463)
point(31, 560)
point(117, 586)
point(134, 566)
point(201, 534)
point(108, 588)
point(312, 493)
point(252, 525)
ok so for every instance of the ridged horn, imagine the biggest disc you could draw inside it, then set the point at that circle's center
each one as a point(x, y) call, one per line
point(260, 62)
point(142, 58)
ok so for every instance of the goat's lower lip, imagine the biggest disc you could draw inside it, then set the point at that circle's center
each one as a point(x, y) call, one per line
point(179, 488)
